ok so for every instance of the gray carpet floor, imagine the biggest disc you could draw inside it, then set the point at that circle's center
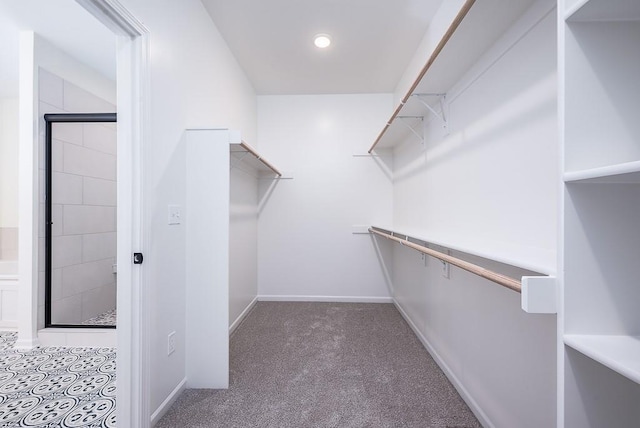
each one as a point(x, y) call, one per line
point(325, 365)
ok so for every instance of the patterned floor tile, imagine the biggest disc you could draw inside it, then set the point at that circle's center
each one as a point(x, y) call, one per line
point(56, 386)
point(106, 318)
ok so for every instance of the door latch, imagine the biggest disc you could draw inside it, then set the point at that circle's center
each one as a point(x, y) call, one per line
point(137, 258)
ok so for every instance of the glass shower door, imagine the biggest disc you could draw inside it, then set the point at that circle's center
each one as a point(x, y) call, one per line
point(81, 271)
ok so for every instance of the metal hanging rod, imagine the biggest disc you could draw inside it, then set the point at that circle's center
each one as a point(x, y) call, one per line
point(505, 281)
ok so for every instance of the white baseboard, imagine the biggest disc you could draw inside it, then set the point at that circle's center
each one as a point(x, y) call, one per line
point(331, 299)
point(473, 405)
point(242, 316)
point(26, 344)
point(168, 402)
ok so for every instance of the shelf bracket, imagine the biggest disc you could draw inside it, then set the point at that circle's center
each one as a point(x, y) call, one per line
point(539, 294)
point(441, 99)
point(403, 120)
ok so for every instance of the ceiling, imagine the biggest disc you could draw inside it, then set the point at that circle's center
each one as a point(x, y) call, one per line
point(373, 42)
point(62, 23)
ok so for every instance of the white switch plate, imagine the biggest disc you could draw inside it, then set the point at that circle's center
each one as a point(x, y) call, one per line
point(175, 214)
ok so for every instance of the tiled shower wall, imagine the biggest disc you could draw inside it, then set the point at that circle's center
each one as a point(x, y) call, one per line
point(83, 205)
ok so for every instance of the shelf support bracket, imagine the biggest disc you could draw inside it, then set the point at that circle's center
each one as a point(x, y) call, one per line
point(539, 294)
point(439, 114)
point(403, 120)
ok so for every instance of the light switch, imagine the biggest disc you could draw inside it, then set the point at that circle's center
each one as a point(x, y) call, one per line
point(175, 214)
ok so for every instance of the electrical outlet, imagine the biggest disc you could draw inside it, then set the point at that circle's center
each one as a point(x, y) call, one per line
point(171, 343)
point(445, 269)
point(175, 214)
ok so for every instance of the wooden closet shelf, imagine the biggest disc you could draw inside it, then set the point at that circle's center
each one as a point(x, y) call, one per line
point(240, 150)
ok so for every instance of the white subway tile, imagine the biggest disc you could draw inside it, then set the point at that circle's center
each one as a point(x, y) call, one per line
point(98, 301)
point(78, 100)
point(86, 276)
point(56, 218)
point(57, 151)
point(66, 250)
point(87, 162)
point(50, 88)
point(40, 317)
point(80, 219)
point(56, 284)
point(97, 191)
point(41, 186)
point(44, 108)
point(41, 212)
point(100, 138)
point(41, 288)
point(98, 246)
point(67, 310)
point(66, 188)
point(69, 132)
point(41, 250)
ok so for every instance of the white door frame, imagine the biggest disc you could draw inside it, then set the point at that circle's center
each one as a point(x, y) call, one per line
point(132, 393)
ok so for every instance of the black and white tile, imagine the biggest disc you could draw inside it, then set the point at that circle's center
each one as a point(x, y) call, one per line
point(106, 318)
point(56, 386)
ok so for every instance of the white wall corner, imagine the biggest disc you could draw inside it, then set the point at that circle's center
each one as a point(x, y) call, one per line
point(168, 402)
point(539, 294)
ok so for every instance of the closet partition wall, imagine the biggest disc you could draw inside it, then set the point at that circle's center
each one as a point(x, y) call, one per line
point(80, 220)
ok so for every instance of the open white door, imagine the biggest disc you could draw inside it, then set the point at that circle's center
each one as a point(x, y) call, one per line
point(133, 314)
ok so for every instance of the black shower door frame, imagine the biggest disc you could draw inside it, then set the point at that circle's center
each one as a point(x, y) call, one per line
point(50, 119)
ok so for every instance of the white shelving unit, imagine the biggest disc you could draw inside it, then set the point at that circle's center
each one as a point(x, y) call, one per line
point(220, 246)
point(600, 86)
point(475, 28)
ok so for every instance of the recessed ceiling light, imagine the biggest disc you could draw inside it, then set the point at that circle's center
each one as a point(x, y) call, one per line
point(322, 41)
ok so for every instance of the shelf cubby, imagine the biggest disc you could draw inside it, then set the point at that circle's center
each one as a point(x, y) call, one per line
point(596, 396)
point(603, 94)
point(601, 286)
point(620, 353)
point(602, 10)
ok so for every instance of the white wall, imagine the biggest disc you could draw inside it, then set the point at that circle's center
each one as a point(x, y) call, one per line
point(306, 247)
point(195, 82)
point(243, 241)
point(8, 178)
point(8, 162)
point(492, 180)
